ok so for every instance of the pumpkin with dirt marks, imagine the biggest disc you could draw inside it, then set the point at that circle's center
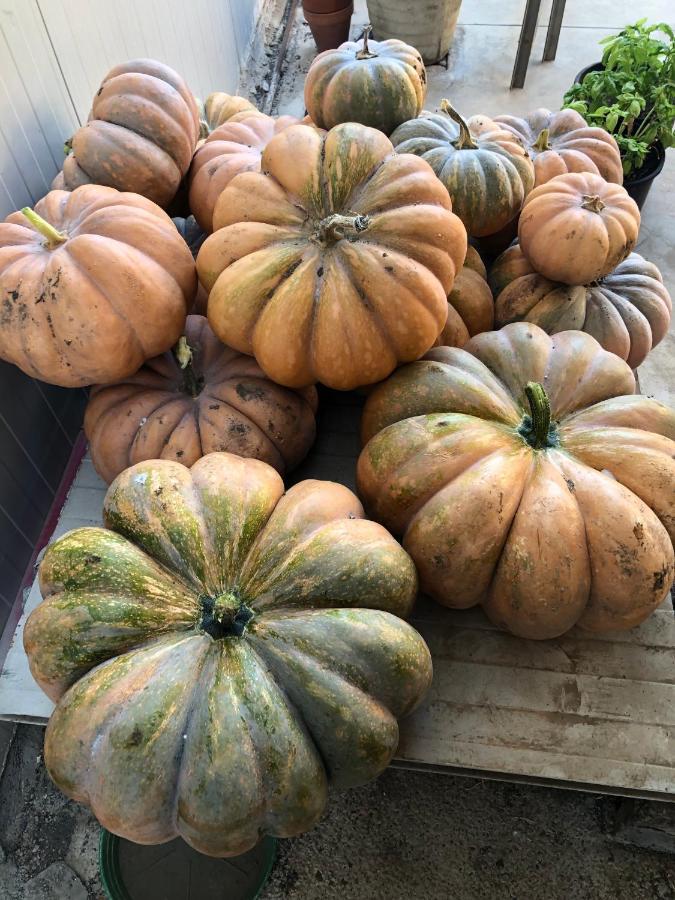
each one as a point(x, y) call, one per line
point(566, 477)
point(336, 264)
point(198, 398)
point(628, 311)
point(224, 654)
point(95, 282)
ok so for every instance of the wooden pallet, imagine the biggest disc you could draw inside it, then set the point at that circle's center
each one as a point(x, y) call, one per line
point(594, 713)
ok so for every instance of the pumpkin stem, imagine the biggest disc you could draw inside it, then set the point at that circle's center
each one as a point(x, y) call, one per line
point(464, 141)
point(365, 53)
point(53, 237)
point(184, 355)
point(542, 143)
point(592, 202)
point(540, 415)
point(225, 615)
point(336, 227)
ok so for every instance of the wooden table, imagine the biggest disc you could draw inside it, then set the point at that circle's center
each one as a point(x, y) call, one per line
point(592, 713)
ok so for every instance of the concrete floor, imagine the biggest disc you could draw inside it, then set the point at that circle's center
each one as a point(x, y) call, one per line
point(412, 835)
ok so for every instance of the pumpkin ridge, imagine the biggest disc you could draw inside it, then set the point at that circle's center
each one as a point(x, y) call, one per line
point(252, 424)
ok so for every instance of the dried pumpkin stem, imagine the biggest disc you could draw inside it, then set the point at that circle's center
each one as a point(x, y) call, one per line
point(334, 228)
point(540, 413)
point(365, 52)
point(53, 237)
point(592, 202)
point(464, 141)
point(184, 355)
point(542, 143)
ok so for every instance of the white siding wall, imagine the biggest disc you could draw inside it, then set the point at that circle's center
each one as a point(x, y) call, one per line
point(54, 53)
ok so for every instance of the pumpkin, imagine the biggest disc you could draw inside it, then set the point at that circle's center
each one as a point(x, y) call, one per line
point(486, 170)
point(200, 398)
point(232, 148)
point(218, 108)
point(628, 311)
point(526, 476)
point(561, 142)
point(336, 265)
point(470, 304)
point(94, 283)
point(376, 83)
point(224, 654)
point(141, 133)
point(576, 228)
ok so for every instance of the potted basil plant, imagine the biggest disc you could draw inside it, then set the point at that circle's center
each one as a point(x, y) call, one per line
point(631, 94)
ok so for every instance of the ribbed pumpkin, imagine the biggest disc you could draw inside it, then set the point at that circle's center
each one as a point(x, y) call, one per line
point(218, 108)
point(525, 476)
point(94, 283)
point(232, 148)
point(336, 265)
point(224, 655)
point(486, 170)
point(379, 84)
point(200, 398)
point(470, 303)
point(141, 134)
point(576, 228)
point(561, 142)
point(628, 311)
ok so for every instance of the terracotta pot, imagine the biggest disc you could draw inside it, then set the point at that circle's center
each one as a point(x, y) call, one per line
point(329, 29)
point(427, 25)
point(323, 6)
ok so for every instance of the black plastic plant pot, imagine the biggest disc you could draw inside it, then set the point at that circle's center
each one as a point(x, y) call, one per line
point(594, 67)
point(639, 184)
point(166, 871)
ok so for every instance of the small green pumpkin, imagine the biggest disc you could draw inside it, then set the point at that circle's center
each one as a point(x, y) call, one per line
point(223, 654)
point(375, 83)
point(486, 169)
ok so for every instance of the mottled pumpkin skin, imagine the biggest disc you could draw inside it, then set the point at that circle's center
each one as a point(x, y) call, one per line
point(334, 266)
point(470, 303)
point(223, 655)
point(224, 403)
point(568, 144)
point(577, 532)
point(576, 228)
point(487, 182)
point(379, 86)
point(628, 311)
point(231, 148)
point(218, 108)
point(141, 134)
point(114, 293)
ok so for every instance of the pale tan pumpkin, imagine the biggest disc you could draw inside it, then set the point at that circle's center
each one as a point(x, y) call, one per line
point(231, 148)
point(524, 475)
point(578, 227)
point(562, 141)
point(219, 108)
point(336, 265)
point(628, 311)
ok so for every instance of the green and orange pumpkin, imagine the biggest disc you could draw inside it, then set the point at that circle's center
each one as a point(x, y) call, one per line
point(223, 653)
point(470, 303)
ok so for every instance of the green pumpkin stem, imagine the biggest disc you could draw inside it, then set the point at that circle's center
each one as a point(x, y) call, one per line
point(592, 202)
point(53, 237)
point(365, 52)
point(542, 143)
point(464, 141)
point(540, 413)
point(184, 355)
point(334, 228)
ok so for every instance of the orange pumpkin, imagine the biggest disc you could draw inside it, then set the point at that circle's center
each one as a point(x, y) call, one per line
point(578, 227)
point(141, 133)
point(200, 398)
point(336, 265)
point(94, 283)
point(231, 148)
point(524, 475)
point(561, 142)
point(470, 304)
point(218, 108)
point(628, 311)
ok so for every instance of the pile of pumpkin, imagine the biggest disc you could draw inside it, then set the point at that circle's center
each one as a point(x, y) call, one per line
point(222, 638)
